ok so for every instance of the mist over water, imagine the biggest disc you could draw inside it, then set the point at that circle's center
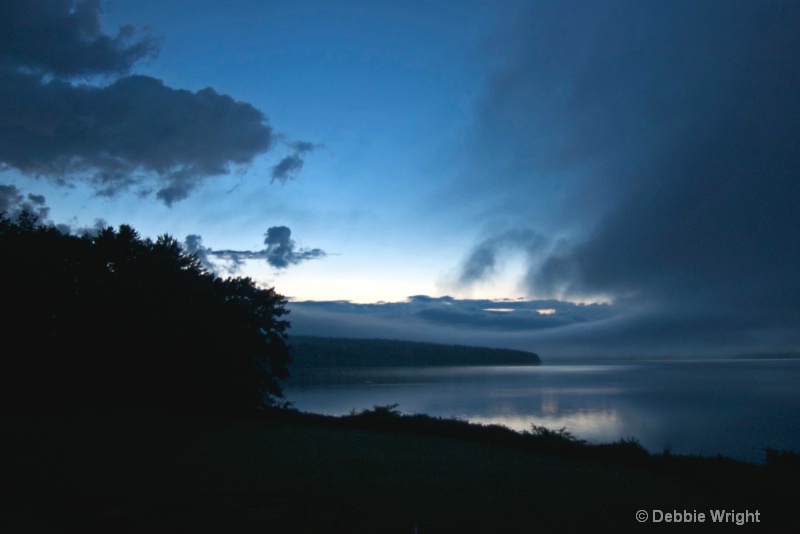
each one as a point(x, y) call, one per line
point(736, 408)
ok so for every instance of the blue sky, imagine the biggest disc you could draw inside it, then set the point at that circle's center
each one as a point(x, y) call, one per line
point(629, 167)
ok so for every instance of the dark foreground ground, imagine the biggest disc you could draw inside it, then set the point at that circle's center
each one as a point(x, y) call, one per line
point(292, 473)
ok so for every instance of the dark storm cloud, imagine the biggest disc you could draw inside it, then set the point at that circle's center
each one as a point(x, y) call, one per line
point(659, 140)
point(65, 38)
point(133, 133)
point(115, 135)
point(281, 251)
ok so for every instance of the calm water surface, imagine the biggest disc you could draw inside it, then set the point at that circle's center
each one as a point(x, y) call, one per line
point(733, 407)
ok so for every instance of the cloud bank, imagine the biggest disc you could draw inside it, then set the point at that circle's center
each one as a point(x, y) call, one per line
point(552, 328)
point(58, 120)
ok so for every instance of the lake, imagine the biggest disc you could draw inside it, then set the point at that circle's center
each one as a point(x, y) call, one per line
point(731, 407)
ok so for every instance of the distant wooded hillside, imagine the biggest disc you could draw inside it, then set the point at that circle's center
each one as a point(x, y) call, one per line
point(312, 352)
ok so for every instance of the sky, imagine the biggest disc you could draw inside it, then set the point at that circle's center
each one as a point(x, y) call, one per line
point(577, 178)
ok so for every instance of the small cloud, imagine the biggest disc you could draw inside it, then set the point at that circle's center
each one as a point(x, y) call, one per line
point(92, 231)
point(10, 197)
point(290, 166)
point(13, 203)
point(194, 245)
point(281, 251)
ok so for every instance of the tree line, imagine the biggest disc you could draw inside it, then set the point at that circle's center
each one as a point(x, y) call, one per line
point(311, 352)
point(116, 319)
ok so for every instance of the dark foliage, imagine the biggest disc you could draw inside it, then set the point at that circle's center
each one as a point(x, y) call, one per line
point(786, 460)
point(314, 352)
point(539, 439)
point(735, 482)
point(115, 319)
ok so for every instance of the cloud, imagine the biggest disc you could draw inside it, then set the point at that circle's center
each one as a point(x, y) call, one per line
point(99, 225)
point(505, 323)
point(505, 314)
point(655, 143)
point(134, 132)
point(554, 329)
point(65, 39)
point(281, 250)
point(280, 253)
point(481, 262)
point(126, 133)
point(288, 167)
point(13, 203)
point(194, 245)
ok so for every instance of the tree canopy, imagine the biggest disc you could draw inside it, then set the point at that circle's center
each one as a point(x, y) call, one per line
point(113, 318)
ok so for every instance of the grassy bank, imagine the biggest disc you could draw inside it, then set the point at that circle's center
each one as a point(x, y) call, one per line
point(375, 472)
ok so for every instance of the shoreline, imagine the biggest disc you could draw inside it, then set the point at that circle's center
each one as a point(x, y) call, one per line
point(296, 472)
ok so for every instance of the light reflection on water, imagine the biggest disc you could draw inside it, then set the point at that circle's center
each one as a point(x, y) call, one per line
point(595, 426)
point(733, 407)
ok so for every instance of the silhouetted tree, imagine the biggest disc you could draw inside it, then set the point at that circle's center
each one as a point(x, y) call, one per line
point(117, 319)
